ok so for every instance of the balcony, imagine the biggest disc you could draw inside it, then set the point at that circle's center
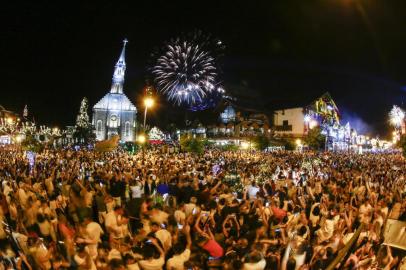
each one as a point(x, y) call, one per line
point(283, 128)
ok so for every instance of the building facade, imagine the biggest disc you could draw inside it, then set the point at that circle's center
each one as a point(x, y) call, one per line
point(232, 126)
point(6, 115)
point(289, 122)
point(115, 114)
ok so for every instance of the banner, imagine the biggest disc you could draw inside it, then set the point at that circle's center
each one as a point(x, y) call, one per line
point(395, 234)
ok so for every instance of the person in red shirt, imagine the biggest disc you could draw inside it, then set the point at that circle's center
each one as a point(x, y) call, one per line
point(207, 242)
point(277, 212)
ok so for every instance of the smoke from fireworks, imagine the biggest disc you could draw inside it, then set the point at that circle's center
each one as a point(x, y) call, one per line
point(186, 70)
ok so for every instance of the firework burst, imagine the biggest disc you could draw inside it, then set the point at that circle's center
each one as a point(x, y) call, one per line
point(186, 71)
point(396, 116)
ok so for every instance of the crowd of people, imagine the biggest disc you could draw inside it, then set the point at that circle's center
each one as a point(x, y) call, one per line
point(154, 210)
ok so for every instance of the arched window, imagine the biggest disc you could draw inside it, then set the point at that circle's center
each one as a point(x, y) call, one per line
point(99, 125)
point(127, 129)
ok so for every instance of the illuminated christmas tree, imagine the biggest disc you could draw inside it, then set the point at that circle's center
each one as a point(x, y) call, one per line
point(82, 120)
point(155, 134)
point(84, 132)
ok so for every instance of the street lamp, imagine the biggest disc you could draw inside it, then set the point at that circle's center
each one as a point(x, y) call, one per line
point(141, 139)
point(148, 103)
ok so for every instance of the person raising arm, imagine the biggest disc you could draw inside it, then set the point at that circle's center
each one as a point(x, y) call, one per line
point(182, 254)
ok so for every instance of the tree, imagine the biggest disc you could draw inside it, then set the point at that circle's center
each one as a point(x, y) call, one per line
point(82, 120)
point(289, 144)
point(84, 131)
point(171, 128)
point(230, 147)
point(30, 143)
point(314, 139)
point(193, 145)
point(261, 142)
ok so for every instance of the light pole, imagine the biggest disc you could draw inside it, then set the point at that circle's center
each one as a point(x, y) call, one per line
point(148, 103)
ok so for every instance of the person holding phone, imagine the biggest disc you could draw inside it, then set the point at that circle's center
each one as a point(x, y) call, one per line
point(182, 253)
point(149, 262)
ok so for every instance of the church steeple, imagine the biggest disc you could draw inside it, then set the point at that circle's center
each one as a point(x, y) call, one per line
point(119, 70)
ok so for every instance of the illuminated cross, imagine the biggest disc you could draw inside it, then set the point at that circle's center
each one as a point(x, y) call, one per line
point(125, 41)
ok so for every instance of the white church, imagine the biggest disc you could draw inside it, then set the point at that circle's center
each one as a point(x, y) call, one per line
point(115, 114)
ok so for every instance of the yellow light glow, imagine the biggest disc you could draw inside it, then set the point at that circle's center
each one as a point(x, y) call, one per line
point(245, 145)
point(19, 138)
point(298, 142)
point(55, 130)
point(141, 139)
point(148, 102)
point(9, 120)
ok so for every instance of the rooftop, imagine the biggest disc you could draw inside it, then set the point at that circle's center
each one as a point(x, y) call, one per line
point(115, 101)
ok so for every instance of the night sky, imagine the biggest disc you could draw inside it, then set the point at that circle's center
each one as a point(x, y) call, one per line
point(279, 52)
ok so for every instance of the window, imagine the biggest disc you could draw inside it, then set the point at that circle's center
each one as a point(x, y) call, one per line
point(113, 121)
point(99, 125)
point(285, 123)
point(127, 129)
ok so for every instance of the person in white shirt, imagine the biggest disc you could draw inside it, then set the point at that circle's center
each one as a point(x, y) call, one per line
point(149, 262)
point(92, 238)
point(112, 222)
point(136, 189)
point(253, 189)
point(182, 254)
point(83, 259)
point(190, 206)
point(162, 234)
point(114, 253)
point(254, 261)
point(22, 195)
point(158, 216)
point(180, 215)
point(327, 228)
